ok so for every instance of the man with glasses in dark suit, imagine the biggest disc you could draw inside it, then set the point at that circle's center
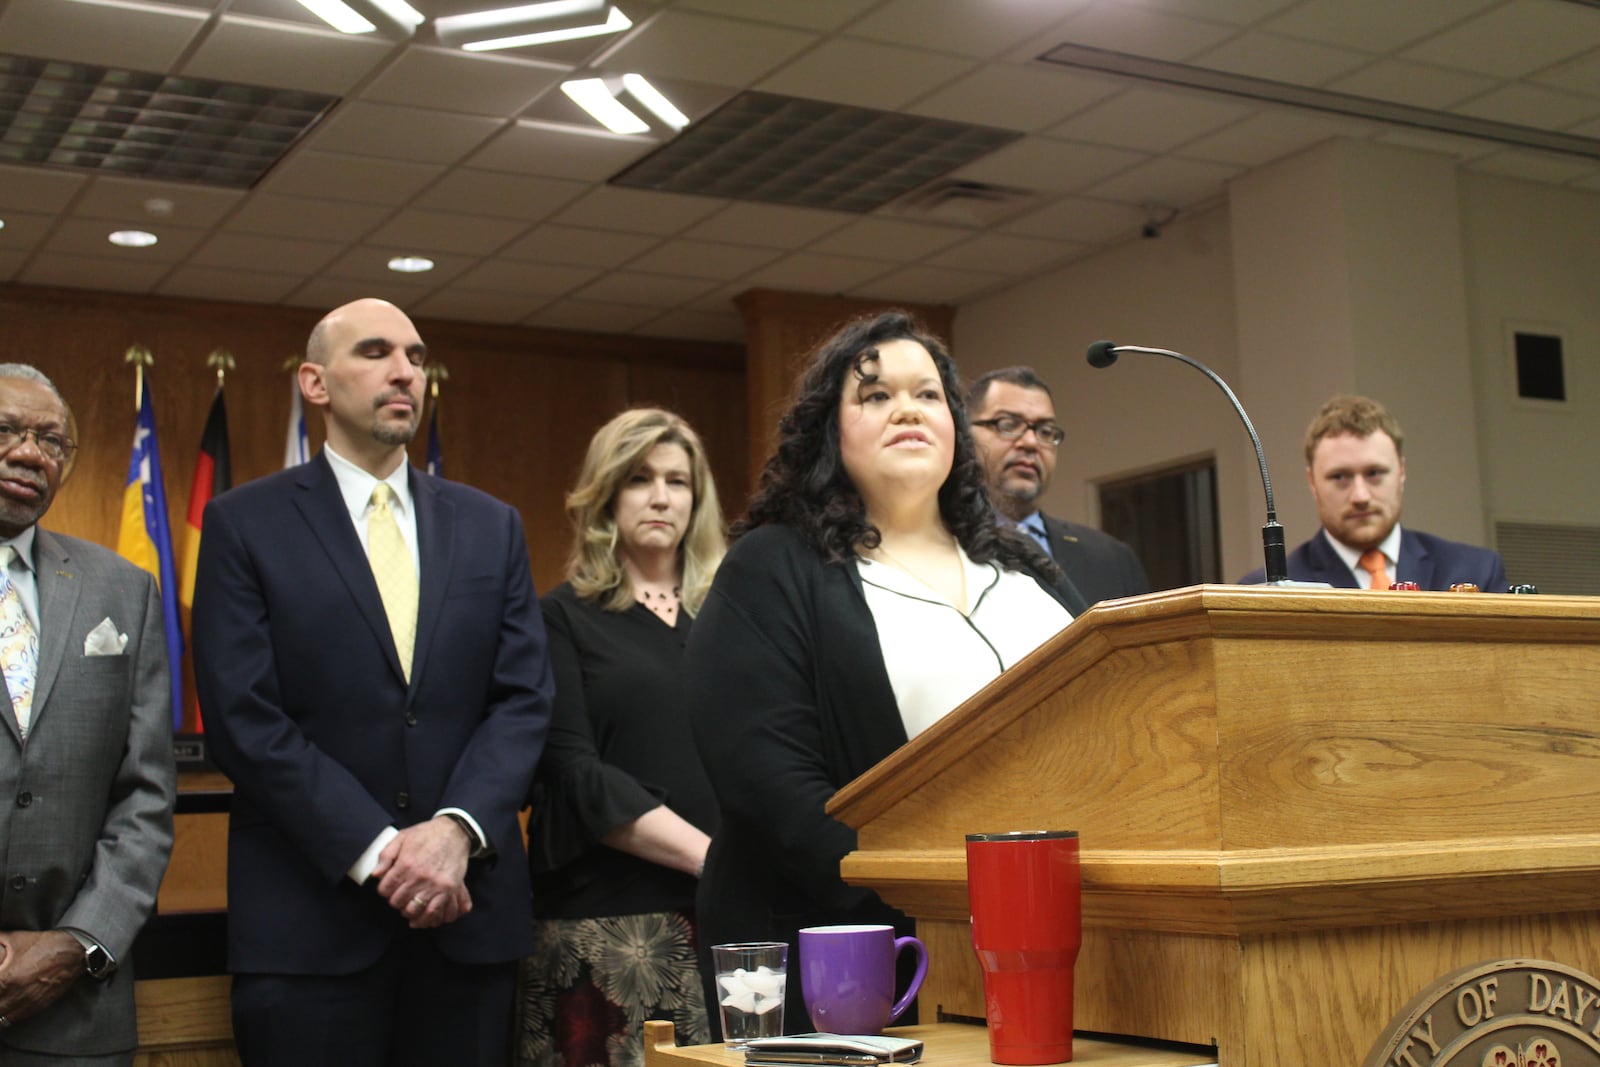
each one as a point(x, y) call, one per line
point(1014, 425)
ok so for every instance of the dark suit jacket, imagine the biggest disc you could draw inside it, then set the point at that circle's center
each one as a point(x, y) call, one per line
point(1100, 566)
point(309, 714)
point(790, 700)
point(1431, 562)
point(91, 840)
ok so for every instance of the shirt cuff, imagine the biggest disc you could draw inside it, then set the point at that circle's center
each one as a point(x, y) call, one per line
point(361, 869)
point(480, 842)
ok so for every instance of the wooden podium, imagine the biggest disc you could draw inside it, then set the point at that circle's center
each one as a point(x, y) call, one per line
point(1298, 808)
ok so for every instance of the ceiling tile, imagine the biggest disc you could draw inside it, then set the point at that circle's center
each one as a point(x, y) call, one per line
point(1581, 75)
point(929, 285)
point(1272, 135)
point(473, 84)
point(810, 15)
point(1372, 25)
point(561, 152)
point(637, 211)
point(428, 232)
point(1173, 182)
point(1417, 84)
point(812, 272)
point(534, 279)
point(509, 196)
point(88, 237)
point(10, 264)
point(865, 74)
point(1034, 97)
point(1533, 105)
point(38, 188)
point(468, 306)
point(1049, 165)
point(979, 30)
point(23, 230)
point(1240, 12)
point(274, 255)
point(212, 283)
point(1283, 59)
point(682, 44)
point(285, 56)
point(655, 290)
point(323, 294)
point(1122, 27)
point(124, 200)
point(694, 326)
point(370, 263)
point(1001, 253)
point(1444, 144)
point(91, 272)
point(148, 38)
point(1152, 120)
point(568, 244)
point(888, 239)
point(703, 259)
point(591, 316)
point(297, 216)
point(1076, 219)
point(1514, 39)
point(416, 134)
point(768, 225)
point(1535, 166)
point(323, 174)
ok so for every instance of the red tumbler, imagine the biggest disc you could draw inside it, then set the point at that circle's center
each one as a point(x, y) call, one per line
point(1024, 890)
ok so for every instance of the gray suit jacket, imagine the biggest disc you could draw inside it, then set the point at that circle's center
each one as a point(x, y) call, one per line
point(86, 822)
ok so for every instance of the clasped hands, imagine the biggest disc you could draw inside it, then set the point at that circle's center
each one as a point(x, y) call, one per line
point(36, 967)
point(422, 873)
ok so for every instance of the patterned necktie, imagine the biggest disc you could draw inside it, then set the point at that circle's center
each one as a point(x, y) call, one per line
point(395, 573)
point(1373, 563)
point(19, 644)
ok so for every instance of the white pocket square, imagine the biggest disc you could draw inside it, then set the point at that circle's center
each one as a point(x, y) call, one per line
point(104, 640)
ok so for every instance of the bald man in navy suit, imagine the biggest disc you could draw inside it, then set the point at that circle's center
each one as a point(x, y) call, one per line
point(1358, 477)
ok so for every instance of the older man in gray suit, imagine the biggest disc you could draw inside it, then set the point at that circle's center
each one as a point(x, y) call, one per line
point(86, 768)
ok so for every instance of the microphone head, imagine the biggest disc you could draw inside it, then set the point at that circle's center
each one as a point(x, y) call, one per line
point(1102, 354)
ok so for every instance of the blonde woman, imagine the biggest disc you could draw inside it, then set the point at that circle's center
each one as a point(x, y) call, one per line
point(623, 810)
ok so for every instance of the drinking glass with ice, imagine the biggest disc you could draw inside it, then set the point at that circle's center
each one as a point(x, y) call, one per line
point(752, 977)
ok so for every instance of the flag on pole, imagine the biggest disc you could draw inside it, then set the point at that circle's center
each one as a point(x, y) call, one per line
point(296, 445)
point(213, 474)
point(145, 536)
point(435, 452)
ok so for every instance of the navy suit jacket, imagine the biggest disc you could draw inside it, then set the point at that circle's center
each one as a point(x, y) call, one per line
point(310, 715)
point(1100, 566)
point(1432, 562)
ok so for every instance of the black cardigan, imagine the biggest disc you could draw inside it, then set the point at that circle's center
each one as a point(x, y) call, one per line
point(790, 700)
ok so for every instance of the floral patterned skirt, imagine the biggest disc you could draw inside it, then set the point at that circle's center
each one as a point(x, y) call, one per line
point(590, 984)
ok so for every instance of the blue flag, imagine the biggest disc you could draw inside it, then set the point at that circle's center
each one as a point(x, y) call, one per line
point(435, 452)
point(145, 536)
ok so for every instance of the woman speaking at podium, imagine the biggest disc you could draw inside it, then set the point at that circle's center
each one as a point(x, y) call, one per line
point(869, 593)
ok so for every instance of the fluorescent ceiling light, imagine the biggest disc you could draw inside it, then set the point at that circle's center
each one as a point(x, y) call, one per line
point(530, 24)
point(592, 95)
point(651, 98)
point(411, 264)
point(395, 18)
point(132, 238)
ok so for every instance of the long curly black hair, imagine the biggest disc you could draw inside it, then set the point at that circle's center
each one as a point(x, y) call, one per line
point(804, 483)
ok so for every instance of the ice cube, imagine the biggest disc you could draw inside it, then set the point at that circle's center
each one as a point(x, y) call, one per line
point(765, 980)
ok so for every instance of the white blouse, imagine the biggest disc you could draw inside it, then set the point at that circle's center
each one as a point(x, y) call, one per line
point(936, 656)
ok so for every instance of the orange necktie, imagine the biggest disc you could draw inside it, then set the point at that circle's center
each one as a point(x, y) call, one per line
point(1373, 563)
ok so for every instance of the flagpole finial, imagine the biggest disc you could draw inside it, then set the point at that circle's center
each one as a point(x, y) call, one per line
point(435, 372)
point(292, 364)
point(223, 360)
point(141, 357)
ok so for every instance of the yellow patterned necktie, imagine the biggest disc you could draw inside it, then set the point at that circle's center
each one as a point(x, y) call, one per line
point(19, 644)
point(395, 572)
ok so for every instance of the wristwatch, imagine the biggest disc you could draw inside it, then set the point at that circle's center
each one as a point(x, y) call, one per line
point(98, 962)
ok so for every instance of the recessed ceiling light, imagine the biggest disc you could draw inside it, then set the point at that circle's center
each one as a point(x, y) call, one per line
point(133, 238)
point(395, 18)
point(651, 98)
point(410, 264)
point(530, 24)
point(592, 95)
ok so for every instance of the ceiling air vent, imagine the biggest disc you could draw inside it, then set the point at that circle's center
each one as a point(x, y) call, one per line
point(966, 203)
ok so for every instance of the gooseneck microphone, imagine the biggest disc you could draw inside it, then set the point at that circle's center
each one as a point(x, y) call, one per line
point(1104, 353)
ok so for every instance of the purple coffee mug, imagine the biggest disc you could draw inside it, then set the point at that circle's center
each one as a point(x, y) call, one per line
point(847, 976)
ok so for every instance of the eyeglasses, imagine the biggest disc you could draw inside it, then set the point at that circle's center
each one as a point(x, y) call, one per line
point(52, 445)
point(1012, 427)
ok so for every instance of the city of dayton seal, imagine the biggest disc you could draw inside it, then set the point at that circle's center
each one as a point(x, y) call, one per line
point(1503, 1013)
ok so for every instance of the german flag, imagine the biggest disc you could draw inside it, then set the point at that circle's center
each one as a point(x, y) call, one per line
point(213, 474)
